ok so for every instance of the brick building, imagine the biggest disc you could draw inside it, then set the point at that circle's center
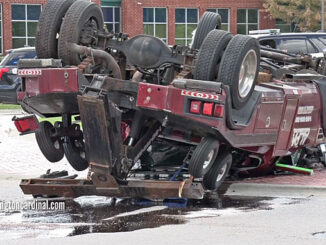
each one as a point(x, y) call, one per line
point(171, 20)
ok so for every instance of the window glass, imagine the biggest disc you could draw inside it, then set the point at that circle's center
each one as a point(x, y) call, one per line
point(311, 48)
point(33, 12)
point(192, 15)
point(242, 16)
point(268, 43)
point(252, 27)
point(155, 22)
point(160, 31)
point(117, 27)
point(186, 23)
point(160, 15)
point(294, 46)
point(31, 42)
point(252, 16)
point(317, 42)
point(24, 23)
point(18, 42)
point(148, 14)
point(190, 29)
point(112, 18)
point(18, 29)
point(180, 15)
point(108, 14)
point(247, 20)
point(180, 30)
point(18, 12)
point(117, 15)
point(31, 27)
point(224, 13)
point(242, 29)
point(149, 29)
point(12, 59)
point(323, 40)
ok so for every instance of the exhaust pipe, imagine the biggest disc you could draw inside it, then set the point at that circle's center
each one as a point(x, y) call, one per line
point(109, 61)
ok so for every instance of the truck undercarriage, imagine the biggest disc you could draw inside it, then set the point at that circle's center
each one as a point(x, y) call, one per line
point(154, 121)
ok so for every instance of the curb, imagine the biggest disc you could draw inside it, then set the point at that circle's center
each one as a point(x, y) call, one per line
point(274, 190)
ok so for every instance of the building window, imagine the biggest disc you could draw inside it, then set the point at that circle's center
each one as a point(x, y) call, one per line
point(247, 20)
point(155, 22)
point(24, 23)
point(225, 17)
point(1, 40)
point(186, 21)
point(112, 18)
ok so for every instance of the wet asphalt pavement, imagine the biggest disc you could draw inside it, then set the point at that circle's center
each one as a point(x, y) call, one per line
point(109, 215)
point(213, 220)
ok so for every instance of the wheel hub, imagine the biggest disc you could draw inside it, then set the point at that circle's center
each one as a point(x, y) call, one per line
point(209, 159)
point(247, 73)
point(221, 173)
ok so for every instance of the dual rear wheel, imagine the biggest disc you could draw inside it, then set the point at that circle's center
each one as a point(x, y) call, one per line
point(210, 162)
point(54, 147)
point(233, 61)
point(67, 21)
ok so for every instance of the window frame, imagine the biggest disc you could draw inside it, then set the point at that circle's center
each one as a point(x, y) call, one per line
point(229, 15)
point(26, 21)
point(186, 38)
point(113, 17)
point(154, 23)
point(247, 17)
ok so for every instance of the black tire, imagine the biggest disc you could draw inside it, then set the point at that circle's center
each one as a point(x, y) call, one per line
point(50, 147)
point(208, 22)
point(74, 153)
point(48, 27)
point(79, 13)
point(214, 177)
point(201, 154)
point(230, 66)
point(210, 55)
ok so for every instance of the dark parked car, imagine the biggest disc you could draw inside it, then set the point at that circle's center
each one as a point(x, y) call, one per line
point(10, 83)
point(306, 43)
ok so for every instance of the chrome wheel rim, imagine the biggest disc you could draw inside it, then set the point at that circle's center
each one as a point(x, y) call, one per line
point(209, 159)
point(247, 73)
point(221, 172)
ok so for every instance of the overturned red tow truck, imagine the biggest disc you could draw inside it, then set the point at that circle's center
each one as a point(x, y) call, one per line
point(160, 121)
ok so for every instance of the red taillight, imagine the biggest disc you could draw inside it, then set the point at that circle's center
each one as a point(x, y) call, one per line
point(208, 109)
point(218, 110)
point(195, 107)
point(26, 124)
point(3, 70)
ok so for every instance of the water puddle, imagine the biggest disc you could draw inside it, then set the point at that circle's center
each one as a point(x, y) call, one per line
point(101, 214)
point(320, 235)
